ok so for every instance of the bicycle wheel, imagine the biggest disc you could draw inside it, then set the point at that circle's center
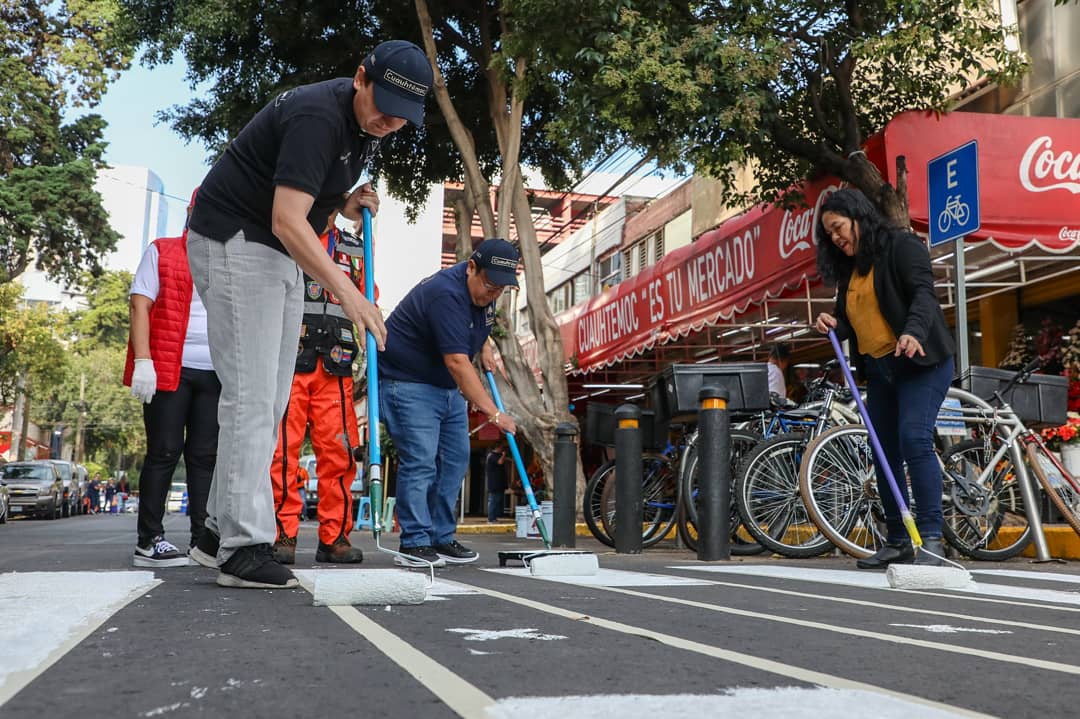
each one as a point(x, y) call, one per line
point(741, 543)
point(591, 506)
point(1062, 488)
point(658, 492)
point(983, 520)
point(769, 502)
point(838, 484)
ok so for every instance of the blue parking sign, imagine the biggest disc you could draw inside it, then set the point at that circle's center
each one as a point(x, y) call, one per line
point(953, 193)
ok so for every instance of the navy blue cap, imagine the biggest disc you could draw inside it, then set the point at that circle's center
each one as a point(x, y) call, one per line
point(499, 260)
point(402, 76)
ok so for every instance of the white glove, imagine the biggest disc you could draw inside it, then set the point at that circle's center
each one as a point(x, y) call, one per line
point(144, 380)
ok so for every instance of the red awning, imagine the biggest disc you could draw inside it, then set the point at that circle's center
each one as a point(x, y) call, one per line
point(1029, 194)
point(1029, 173)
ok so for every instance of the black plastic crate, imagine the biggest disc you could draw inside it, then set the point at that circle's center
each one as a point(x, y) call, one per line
point(1041, 400)
point(600, 427)
point(673, 393)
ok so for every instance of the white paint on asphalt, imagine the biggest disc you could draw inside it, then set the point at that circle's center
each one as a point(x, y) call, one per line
point(949, 629)
point(45, 614)
point(1035, 576)
point(876, 580)
point(610, 578)
point(488, 635)
point(789, 671)
point(747, 702)
point(439, 591)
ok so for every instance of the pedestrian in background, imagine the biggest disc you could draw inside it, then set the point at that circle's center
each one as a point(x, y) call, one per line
point(495, 467)
point(258, 215)
point(169, 368)
point(426, 376)
point(122, 492)
point(94, 491)
point(886, 303)
point(779, 355)
point(110, 497)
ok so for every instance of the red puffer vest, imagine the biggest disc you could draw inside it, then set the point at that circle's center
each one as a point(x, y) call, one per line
point(168, 315)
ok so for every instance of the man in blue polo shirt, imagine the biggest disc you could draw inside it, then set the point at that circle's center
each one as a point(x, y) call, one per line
point(425, 378)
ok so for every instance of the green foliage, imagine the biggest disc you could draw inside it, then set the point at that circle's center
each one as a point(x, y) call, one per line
point(245, 57)
point(54, 57)
point(794, 87)
point(29, 345)
point(105, 322)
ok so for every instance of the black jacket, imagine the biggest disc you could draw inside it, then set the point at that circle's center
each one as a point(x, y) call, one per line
point(904, 285)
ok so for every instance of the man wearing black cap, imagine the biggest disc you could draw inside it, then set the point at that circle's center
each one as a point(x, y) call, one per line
point(425, 378)
point(257, 217)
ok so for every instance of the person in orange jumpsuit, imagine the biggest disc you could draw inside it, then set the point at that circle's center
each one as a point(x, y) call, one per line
point(321, 401)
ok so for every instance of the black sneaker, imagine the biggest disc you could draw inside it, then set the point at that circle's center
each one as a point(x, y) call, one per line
point(159, 553)
point(205, 550)
point(456, 553)
point(254, 567)
point(424, 557)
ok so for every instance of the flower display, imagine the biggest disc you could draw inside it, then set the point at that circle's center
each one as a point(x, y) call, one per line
point(1068, 433)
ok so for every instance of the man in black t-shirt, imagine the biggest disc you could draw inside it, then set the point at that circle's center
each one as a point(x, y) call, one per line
point(495, 466)
point(257, 217)
point(425, 378)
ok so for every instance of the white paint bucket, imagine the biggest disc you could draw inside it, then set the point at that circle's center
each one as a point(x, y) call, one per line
point(525, 525)
point(547, 512)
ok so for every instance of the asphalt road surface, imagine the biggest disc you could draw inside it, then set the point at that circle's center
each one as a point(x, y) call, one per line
point(89, 635)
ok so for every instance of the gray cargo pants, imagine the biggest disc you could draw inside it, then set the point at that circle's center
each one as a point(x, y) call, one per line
point(254, 303)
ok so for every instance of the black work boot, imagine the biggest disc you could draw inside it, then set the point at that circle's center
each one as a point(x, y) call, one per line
point(931, 554)
point(891, 553)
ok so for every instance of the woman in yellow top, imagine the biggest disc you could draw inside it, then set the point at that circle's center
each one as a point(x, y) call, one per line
point(886, 303)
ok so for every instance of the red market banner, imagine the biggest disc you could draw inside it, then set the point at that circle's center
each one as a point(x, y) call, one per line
point(760, 254)
point(1029, 173)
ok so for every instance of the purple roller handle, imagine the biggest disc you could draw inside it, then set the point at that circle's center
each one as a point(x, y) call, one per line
point(884, 461)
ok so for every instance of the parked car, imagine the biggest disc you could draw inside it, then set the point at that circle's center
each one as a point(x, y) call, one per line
point(34, 487)
point(70, 478)
point(176, 500)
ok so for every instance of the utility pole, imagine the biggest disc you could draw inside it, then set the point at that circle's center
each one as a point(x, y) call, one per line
point(18, 417)
point(79, 436)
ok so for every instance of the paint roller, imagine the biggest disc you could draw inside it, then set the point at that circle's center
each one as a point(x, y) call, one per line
point(903, 576)
point(367, 586)
point(547, 562)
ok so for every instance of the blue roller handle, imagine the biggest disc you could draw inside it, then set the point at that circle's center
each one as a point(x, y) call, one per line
point(512, 441)
point(372, 351)
point(905, 513)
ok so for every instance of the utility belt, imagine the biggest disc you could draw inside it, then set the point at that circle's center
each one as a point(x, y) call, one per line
point(329, 337)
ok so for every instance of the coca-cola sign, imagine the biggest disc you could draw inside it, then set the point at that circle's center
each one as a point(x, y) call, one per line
point(1068, 234)
point(1041, 170)
point(797, 226)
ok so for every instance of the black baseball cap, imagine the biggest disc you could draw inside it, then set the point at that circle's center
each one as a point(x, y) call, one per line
point(402, 76)
point(499, 260)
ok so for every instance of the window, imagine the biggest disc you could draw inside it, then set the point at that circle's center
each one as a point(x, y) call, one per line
point(582, 288)
point(559, 298)
point(658, 246)
point(609, 271)
point(628, 269)
point(642, 255)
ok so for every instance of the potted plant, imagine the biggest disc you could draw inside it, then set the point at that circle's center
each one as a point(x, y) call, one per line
point(1066, 440)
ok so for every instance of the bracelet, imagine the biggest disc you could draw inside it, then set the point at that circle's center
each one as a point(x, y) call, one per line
point(495, 418)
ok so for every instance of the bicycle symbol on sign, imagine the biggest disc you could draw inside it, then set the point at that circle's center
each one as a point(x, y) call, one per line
point(955, 211)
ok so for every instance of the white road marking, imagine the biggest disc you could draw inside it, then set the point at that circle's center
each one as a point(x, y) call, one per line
point(876, 580)
point(440, 590)
point(789, 671)
point(949, 629)
point(460, 696)
point(487, 635)
point(611, 578)
point(749, 702)
point(45, 614)
point(1021, 574)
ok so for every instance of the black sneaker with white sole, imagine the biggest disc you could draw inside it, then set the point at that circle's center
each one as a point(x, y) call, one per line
point(205, 550)
point(423, 557)
point(254, 567)
point(454, 552)
point(159, 552)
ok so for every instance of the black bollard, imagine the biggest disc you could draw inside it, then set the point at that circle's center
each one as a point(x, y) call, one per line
point(629, 510)
point(564, 493)
point(714, 475)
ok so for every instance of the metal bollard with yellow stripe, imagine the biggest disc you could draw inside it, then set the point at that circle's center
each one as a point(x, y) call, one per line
point(714, 475)
point(629, 502)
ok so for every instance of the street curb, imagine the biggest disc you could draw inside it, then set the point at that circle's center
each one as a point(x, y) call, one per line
point(582, 529)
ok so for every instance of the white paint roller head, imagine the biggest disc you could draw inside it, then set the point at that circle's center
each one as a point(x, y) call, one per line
point(915, 576)
point(368, 586)
point(564, 564)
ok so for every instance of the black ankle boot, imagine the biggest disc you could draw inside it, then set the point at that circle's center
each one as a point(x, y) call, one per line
point(931, 553)
point(889, 554)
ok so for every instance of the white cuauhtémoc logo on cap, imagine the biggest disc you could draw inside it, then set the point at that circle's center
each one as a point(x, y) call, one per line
point(503, 262)
point(405, 83)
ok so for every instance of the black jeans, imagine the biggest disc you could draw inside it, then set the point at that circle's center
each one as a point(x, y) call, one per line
point(903, 400)
point(183, 421)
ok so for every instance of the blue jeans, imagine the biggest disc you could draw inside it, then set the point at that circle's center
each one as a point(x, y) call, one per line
point(495, 505)
point(430, 429)
point(903, 400)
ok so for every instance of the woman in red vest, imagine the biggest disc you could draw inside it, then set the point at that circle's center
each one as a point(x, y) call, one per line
point(169, 369)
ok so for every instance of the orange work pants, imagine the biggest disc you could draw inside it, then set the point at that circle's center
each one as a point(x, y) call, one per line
point(322, 403)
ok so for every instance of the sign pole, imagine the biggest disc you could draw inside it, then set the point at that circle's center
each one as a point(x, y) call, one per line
point(963, 360)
